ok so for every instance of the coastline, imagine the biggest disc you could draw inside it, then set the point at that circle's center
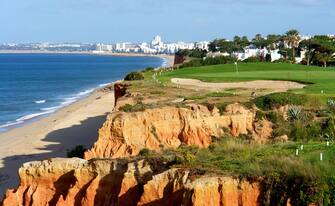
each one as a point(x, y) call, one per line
point(168, 61)
point(163, 56)
point(52, 135)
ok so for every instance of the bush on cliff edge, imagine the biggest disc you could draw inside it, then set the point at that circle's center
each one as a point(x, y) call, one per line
point(133, 76)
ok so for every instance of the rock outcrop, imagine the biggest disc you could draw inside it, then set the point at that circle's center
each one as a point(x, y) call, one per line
point(118, 182)
point(126, 134)
point(120, 90)
point(80, 182)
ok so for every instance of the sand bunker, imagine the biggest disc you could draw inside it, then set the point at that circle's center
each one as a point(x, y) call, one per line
point(277, 86)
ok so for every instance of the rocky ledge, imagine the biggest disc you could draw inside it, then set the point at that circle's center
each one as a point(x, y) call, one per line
point(126, 134)
point(119, 182)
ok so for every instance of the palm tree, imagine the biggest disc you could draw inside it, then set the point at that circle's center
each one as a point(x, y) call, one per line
point(292, 38)
point(272, 41)
point(324, 57)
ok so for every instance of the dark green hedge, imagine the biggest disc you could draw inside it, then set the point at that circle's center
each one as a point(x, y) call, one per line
point(271, 101)
point(132, 76)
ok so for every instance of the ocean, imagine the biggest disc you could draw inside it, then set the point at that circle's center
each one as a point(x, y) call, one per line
point(35, 85)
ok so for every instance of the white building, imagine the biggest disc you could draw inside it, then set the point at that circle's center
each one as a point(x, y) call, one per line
point(157, 42)
point(158, 46)
point(202, 45)
point(104, 47)
point(127, 47)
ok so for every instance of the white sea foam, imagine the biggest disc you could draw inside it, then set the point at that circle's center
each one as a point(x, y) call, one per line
point(40, 101)
point(31, 116)
point(103, 85)
point(10, 124)
point(50, 108)
point(85, 92)
point(68, 101)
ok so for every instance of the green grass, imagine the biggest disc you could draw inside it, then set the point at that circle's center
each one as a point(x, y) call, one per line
point(304, 178)
point(212, 94)
point(319, 78)
point(239, 158)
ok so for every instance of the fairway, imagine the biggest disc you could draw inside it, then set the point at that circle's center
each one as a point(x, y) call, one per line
point(318, 79)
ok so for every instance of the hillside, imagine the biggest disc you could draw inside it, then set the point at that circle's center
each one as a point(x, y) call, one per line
point(166, 144)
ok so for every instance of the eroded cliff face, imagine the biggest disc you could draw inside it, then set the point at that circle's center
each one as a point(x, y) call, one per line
point(144, 182)
point(125, 134)
point(80, 182)
point(118, 182)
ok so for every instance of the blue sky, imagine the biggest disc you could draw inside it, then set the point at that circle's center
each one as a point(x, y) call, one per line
point(139, 20)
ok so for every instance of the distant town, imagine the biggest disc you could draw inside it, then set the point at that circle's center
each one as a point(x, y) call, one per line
point(273, 47)
point(156, 46)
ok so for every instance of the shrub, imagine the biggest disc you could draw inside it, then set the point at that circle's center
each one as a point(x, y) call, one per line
point(260, 115)
point(209, 61)
point(219, 60)
point(295, 113)
point(145, 152)
point(273, 117)
point(252, 60)
point(212, 94)
point(192, 63)
point(275, 100)
point(298, 131)
point(328, 127)
point(282, 61)
point(132, 76)
point(314, 131)
point(148, 69)
point(133, 108)
point(331, 105)
point(78, 151)
point(222, 108)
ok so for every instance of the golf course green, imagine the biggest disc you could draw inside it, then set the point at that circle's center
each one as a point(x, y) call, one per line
point(320, 81)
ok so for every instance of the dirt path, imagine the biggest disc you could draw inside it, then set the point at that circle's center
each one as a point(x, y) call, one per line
point(276, 86)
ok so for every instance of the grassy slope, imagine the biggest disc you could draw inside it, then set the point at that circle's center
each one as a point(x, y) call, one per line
point(235, 157)
point(322, 79)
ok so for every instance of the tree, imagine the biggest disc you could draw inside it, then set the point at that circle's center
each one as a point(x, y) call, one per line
point(319, 50)
point(272, 41)
point(307, 45)
point(237, 39)
point(258, 37)
point(292, 38)
point(259, 41)
point(244, 41)
point(240, 43)
point(223, 46)
point(324, 58)
point(195, 53)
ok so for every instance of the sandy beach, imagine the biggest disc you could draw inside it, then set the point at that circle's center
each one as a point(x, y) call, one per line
point(52, 136)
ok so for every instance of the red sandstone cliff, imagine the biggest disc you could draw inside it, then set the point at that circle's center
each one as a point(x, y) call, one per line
point(117, 182)
point(125, 134)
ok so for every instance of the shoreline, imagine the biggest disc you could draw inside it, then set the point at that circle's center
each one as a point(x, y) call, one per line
point(45, 112)
point(163, 56)
point(168, 61)
point(52, 135)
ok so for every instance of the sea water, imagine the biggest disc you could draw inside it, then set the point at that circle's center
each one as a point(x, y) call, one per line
point(35, 85)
